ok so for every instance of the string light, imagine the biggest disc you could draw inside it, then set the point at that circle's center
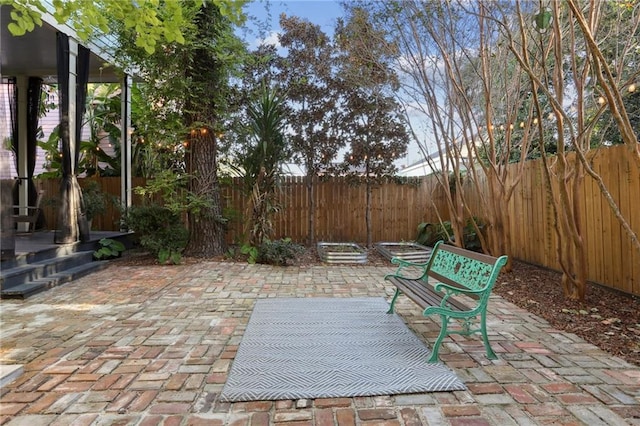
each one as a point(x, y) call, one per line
point(535, 120)
point(601, 100)
point(522, 124)
point(631, 88)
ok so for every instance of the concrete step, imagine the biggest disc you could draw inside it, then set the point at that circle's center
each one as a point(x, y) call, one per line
point(29, 288)
point(41, 269)
point(9, 372)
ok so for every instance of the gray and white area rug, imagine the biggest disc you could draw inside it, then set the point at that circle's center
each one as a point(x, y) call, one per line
point(310, 348)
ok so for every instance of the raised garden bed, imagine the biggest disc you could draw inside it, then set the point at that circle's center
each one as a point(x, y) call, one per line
point(341, 253)
point(413, 252)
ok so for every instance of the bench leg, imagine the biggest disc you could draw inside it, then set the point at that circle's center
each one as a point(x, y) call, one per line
point(393, 301)
point(442, 335)
point(485, 339)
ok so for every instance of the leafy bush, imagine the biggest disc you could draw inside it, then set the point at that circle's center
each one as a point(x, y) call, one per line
point(278, 252)
point(471, 238)
point(159, 230)
point(431, 233)
point(108, 249)
point(251, 252)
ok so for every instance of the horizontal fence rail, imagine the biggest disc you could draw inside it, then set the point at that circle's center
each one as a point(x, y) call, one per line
point(397, 209)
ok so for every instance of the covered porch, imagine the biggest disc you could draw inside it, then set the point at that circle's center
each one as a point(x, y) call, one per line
point(55, 55)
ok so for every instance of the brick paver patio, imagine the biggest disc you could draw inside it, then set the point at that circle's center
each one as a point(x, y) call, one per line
point(152, 346)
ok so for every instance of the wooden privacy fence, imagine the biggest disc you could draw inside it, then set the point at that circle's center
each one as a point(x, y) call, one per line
point(397, 209)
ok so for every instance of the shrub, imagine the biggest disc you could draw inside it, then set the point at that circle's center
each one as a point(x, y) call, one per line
point(278, 252)
point(159, 231)
point(109, 249)
point(431, 233)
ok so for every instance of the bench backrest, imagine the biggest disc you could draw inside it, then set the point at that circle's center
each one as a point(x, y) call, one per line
point(464, 268)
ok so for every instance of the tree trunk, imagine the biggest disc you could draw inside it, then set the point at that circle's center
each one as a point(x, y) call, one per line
point(368, 214)
point(311, 236)
point(207, 228)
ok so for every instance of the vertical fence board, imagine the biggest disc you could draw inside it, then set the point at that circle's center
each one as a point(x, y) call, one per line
point(634, 221)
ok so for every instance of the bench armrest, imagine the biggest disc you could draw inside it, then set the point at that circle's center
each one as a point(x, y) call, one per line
point(400, 261)
point(405, 264)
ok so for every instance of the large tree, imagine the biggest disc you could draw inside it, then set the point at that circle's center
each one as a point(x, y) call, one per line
point(373, 122)
point(186, 87)
point(307, 78)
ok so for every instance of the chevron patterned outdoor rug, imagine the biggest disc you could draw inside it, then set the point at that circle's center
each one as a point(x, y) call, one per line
point(297, 348)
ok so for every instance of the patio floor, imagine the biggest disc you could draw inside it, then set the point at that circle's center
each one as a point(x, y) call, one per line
point(140, 345)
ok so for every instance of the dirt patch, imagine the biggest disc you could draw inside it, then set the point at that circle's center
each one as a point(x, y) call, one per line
point(607, 318)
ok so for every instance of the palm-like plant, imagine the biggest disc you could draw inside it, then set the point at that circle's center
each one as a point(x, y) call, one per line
point(265, 155)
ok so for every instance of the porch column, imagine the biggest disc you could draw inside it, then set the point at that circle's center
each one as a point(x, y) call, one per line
point(22, 86)
point(125, 144)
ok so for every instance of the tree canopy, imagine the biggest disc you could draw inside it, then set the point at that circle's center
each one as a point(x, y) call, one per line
point(151, 20)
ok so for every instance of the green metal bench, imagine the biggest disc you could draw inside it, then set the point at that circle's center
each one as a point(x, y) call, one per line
point(454, 271)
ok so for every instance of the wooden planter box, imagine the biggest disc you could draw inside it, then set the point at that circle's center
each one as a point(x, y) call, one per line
point(341, 253)
point(413, 252)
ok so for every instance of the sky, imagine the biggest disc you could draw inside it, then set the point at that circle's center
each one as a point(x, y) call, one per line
point(321, 12)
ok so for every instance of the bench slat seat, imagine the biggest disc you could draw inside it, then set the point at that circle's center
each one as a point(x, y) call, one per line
point(424, 295)
point(456, 272)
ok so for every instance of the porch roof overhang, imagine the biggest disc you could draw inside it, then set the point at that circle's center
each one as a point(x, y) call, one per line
point(34, 54)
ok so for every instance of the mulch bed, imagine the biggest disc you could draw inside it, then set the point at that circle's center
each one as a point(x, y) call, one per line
point(607, 318)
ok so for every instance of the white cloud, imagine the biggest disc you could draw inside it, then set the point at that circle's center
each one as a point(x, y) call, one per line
point(272, 39)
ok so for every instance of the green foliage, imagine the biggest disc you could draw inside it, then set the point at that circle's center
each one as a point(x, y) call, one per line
point(167, 255)
point(109, 249)
point(430, 233)
point(152, 21)
point(94, 200)
point(180, 117)
point(102, 118)
point(171, 188)
point(52, 156)
point(159, 230)
point(471, 238)
point(278, 252)
point(250, 251)
point(262, 161)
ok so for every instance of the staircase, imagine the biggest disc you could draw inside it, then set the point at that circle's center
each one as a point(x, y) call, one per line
point(46, 266)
